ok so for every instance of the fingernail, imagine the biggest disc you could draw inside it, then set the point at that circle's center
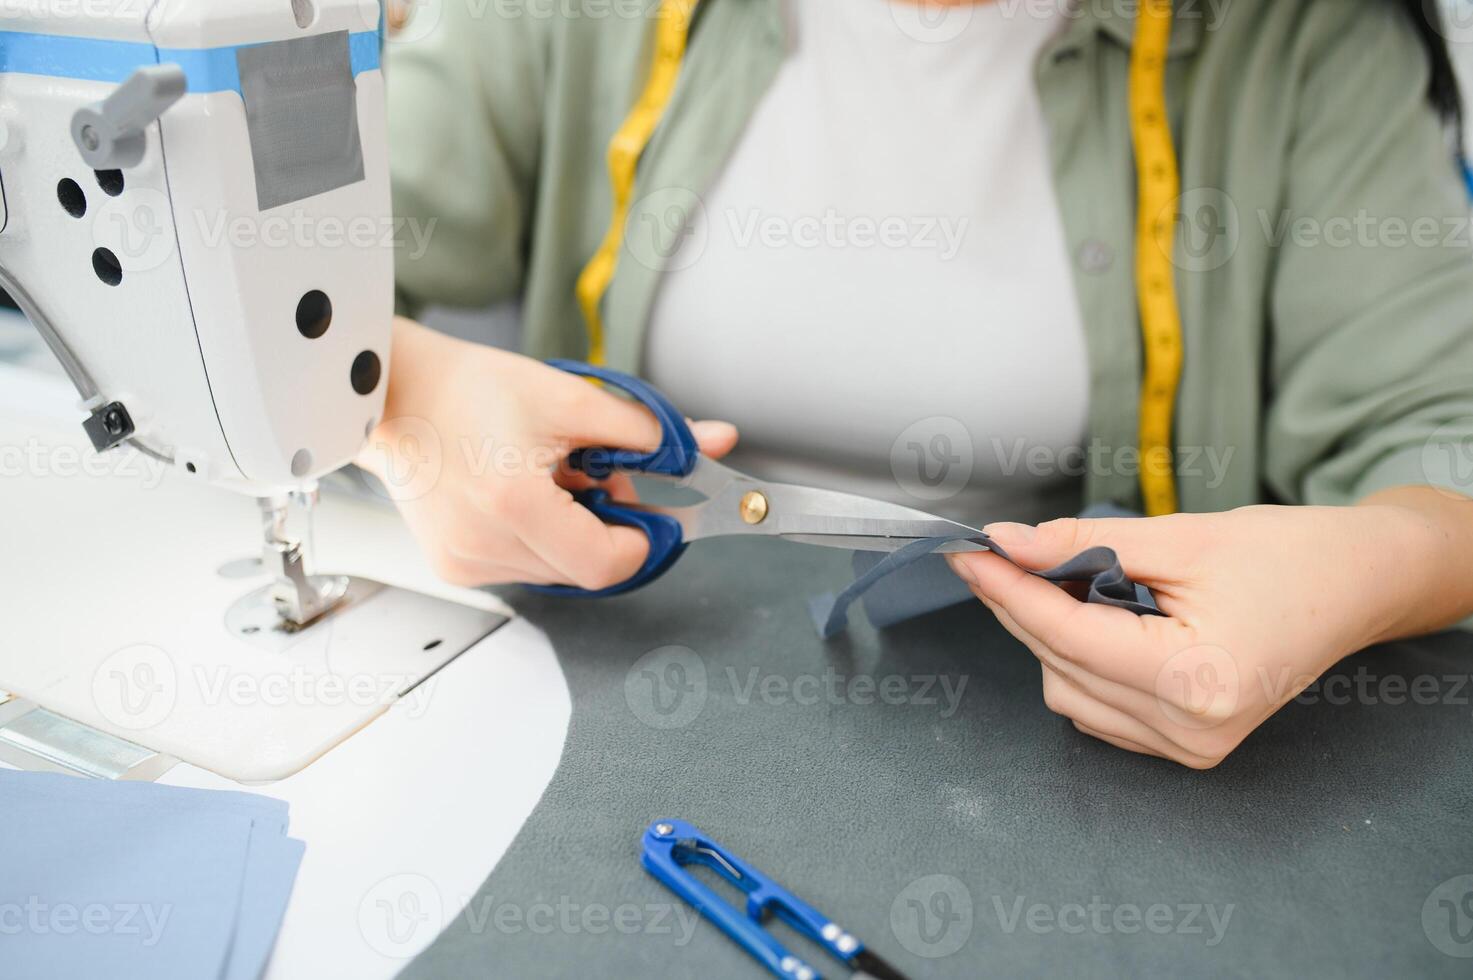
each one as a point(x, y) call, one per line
point(1010, 534)
point(962, 569)
point(712, 429)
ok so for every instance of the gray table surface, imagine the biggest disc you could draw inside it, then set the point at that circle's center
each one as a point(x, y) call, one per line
point(911, 784)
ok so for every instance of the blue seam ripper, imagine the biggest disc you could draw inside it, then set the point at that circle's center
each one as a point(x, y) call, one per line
point(671, 845)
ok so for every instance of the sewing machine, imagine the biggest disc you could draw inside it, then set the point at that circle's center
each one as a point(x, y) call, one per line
point(195, 216)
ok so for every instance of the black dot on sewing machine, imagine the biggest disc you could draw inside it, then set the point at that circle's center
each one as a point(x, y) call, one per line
point(111, 181)
point(301, 463)
point(73, 201)
point(365, 373)
point(314, 314)
point(107, 266)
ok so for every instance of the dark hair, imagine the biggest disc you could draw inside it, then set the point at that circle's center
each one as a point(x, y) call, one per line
point(1442, 89)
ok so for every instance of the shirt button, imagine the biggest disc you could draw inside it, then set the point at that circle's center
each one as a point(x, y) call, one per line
point(1095, 257)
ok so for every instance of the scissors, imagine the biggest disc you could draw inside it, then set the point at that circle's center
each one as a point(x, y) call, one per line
point(736, 503)
point(671, 845)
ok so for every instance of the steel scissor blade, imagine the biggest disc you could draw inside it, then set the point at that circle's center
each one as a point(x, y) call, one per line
point(833, 519)
point(875, 533)
point(828, 518)
point(870, 543)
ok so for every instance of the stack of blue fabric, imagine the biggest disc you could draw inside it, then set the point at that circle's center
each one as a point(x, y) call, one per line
point(135, 880)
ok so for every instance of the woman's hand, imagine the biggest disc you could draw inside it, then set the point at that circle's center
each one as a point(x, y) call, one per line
point(472, 449)
point(1259, 603)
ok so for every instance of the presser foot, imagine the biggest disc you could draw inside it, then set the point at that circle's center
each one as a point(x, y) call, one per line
point(298, 598)
point(369, 623)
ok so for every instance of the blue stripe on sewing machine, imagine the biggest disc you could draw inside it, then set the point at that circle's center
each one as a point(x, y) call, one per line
point(102, 60)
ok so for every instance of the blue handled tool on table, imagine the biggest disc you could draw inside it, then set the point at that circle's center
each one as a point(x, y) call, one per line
point(739, 504)
point(671, 845)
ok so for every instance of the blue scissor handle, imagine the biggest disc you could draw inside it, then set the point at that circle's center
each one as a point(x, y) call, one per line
point(666, 545)
point(676, 456)
point(671, 844)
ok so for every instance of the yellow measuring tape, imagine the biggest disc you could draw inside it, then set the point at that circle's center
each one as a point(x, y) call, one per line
point(623, 157)
point(1158, 190)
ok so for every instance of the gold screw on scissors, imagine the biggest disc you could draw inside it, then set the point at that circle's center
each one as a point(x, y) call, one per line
point(753, 507)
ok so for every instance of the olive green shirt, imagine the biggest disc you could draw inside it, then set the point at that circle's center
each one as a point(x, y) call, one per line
point(1324, 269)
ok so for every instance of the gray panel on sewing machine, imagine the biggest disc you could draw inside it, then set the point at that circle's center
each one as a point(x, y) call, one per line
point(302, 114)
point(912, 784)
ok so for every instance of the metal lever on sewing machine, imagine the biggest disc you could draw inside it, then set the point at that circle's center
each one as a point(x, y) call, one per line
point(300, 599)
point(109, 133)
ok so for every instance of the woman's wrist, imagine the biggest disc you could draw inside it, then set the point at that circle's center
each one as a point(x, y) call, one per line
point(414, 365)
point(1425, 536)
point(406, 365)
point(420, 362)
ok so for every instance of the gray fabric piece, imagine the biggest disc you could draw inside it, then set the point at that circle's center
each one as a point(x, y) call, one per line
point(928, 584)
point(830, 612)
point(919, 588)
point(1098, 569)
point(706, 696)
point(302, 114)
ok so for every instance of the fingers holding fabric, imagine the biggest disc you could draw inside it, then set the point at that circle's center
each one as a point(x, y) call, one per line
point(1108, 642)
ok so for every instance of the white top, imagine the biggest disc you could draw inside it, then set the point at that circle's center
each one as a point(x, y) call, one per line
point(877, 287)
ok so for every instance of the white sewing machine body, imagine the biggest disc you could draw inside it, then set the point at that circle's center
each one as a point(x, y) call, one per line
point(176, 282)
point(227, 280)
point(197, 220)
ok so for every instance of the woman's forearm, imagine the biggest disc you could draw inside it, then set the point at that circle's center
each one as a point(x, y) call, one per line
point(1435, 590)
